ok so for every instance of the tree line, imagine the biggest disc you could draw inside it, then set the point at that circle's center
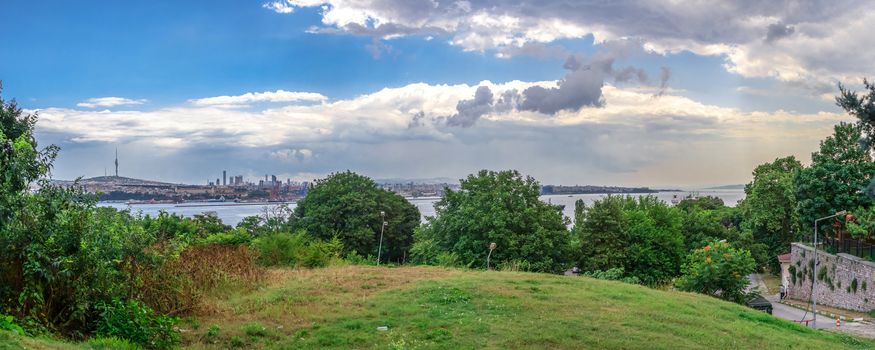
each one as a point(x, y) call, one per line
point(70, 268)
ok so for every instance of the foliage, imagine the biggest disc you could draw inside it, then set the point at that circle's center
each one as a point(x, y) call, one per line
point(769, 208)
point(61, 256)
point(497, 207)
point(273, 219)
point(691, 202)
point(700, 226)
point(643, 236)
point(21, 162)
point(614, 274)
point(110, 343)
point(862, 107)
point(719, 270)
point(298, 249)
point(348, 206)
point(178, 286)
point(137, 323)
point(425, 251)
point(7, 324)
point(836, 178)
point(233, 237)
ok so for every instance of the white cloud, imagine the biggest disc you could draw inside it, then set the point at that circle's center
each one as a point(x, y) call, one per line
point(416, 111)
point(254, 97)
point(109, 102)
point(292, 154)
point(634, 138)
point(793, 41)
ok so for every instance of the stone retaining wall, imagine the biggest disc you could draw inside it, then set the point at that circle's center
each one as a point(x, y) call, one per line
point(843, 281)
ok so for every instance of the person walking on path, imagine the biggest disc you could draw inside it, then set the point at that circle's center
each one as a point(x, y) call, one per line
point(783, 292)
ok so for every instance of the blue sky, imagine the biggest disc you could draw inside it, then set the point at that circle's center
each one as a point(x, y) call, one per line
point(390, 88)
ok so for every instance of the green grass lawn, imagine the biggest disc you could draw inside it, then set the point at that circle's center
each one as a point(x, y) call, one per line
point(434, 308)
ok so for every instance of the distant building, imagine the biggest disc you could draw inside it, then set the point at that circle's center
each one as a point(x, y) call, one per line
point(224, 178)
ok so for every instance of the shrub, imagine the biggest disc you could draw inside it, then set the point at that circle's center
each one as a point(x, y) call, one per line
point(448, 259)
point(137, 323)
point(615, 274)
point(426, 252)
point(254, 329)
point(7, 324)
point(110, 343)
point(515, 266)
point(298, 249)
point(177, 286)
point(233, 237)
point(354, 258)
point(212, 334)
point(719, 270)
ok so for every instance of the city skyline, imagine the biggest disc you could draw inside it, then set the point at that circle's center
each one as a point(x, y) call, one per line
point(631, 94)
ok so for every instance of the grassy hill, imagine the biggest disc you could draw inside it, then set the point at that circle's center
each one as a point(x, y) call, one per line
point(435, 308)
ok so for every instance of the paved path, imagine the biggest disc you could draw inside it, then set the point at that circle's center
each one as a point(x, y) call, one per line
point(788, 312)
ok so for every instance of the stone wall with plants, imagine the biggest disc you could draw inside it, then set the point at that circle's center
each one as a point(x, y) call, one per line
point(843, 281)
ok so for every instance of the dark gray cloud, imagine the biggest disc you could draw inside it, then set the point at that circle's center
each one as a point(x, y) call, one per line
point(469, 111)
point(580, 87)
point(778, 30)
point(664, 76)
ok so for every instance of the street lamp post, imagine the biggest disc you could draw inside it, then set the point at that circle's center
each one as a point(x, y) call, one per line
point(814, 273)
point(382, 229)
point(492, 247)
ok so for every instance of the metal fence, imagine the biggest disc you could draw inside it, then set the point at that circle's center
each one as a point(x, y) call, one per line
point(857, 247)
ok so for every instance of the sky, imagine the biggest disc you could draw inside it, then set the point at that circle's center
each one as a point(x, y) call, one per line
point(633, 93)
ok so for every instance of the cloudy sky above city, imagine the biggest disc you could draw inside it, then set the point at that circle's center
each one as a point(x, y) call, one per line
point(653, 93)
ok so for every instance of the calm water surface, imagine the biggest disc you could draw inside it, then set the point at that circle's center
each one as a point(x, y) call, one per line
point(232, 213)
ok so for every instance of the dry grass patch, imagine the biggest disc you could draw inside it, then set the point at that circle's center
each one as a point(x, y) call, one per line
point(290, 299)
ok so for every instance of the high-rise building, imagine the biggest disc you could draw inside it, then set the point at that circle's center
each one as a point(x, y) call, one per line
point(273, 179)
point(116, 162)
point(224, 178)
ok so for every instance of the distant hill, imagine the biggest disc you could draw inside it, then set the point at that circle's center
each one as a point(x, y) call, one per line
point(116, 180)
point(727, 187)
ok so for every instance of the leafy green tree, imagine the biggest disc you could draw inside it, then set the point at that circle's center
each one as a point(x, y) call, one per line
point(703, 203)
point(719, 270)
point(707, 219)
point(769, 207)
point(836, 179)
point(642, 236)
point(602, 232)
point(21, 162)
point(504, 208)
point(348, 206)
point(862, 107)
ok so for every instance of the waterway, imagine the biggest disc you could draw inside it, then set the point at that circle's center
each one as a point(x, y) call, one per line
point(232, 213)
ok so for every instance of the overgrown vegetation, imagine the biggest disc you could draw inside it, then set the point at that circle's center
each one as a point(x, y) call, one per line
point(71, 270)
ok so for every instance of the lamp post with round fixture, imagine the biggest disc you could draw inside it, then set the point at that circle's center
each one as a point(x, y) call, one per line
point(382, 229)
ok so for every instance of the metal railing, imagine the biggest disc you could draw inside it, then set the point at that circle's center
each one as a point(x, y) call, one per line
point(858, 247)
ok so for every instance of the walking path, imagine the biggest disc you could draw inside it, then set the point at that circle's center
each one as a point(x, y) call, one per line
point(791, 313)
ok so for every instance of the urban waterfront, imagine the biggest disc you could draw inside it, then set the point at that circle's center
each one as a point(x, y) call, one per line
point(232, 213)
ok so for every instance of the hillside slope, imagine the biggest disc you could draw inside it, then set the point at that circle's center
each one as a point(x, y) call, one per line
point(435, 308)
